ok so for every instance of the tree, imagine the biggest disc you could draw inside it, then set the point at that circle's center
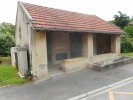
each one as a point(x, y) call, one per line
point(6, 42)
point(111, 21)
point(7, 28)
point(129, 30)
point(7, 38)
point(121, 20)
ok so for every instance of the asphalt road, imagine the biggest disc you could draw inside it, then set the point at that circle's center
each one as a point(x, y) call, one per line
point(64, 86)
point(122, 93)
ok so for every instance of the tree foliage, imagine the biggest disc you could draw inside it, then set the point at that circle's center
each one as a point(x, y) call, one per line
point(7, 28)
point(129, 30)
point(126, 44)
point(7, 38)
point(121, 20)
point(6, 42)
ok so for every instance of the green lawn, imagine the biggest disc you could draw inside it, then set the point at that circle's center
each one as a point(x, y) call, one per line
point(127, 54)
point(9, 76)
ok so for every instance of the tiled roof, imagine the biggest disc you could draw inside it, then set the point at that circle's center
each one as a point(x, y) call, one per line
point(45, 18)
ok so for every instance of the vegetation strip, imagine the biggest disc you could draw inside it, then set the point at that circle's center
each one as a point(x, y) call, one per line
point(9, 76)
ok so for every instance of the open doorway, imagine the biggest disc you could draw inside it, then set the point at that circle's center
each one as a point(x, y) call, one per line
point(62, 45)
point(56, 51)
point(75, 45)
point(102, 44)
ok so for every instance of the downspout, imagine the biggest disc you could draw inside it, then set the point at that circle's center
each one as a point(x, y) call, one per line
point(30, 48)
point(30, 31)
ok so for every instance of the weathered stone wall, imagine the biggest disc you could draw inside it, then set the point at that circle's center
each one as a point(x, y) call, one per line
point(78, 63)
point(115, 44)
point(87, 45)
point(39, 54)
point(23, 29)
point(102, 57)
point(102, 43)
point(75, 64)
point(60, 44)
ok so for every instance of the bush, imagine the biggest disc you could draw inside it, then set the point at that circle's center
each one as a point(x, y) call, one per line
point(6, 42)
point(129, 30)
point(5, 60)
point(126, 44)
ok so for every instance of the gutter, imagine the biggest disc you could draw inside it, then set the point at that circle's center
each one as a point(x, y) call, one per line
point(91, 31)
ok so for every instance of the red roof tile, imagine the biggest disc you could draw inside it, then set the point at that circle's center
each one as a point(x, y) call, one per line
point(45, 18)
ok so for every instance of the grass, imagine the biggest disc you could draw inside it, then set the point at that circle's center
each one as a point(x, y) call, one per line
point(5, 60)
point(9, 76)
point(127, 54)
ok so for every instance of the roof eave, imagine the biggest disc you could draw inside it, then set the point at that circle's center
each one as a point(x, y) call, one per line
point(71, 30)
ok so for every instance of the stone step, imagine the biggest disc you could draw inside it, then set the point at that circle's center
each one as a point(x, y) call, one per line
point(105, 65)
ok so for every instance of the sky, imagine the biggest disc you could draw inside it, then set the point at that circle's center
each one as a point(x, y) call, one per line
point(104, 9)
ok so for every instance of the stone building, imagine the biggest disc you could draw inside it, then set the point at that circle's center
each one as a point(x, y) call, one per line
point(62, 39)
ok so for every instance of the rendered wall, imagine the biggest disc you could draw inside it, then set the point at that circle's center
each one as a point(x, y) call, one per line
point(115, 44)
point(88, 45)
point(39, 55)
point(22, 61)
point(22, 29)
point(65, 45)
point(79, 63)
point(60, 44)
point(85, 44)
point(102, 43)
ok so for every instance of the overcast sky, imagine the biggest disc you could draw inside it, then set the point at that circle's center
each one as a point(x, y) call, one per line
point(105, 9)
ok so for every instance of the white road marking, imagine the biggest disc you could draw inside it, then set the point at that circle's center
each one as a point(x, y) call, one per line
point(102, 90)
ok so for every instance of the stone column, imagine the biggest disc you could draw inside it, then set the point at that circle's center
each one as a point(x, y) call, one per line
point(39, 55)
point(115, 44)
point(88, 45)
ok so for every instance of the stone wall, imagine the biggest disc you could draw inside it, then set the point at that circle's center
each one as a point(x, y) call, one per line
point(74, 64)
point(115, 44)
point(39, 54)
point(60, 45)
point(23, 29)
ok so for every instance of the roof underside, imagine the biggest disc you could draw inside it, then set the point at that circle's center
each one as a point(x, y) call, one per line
point(44, 18)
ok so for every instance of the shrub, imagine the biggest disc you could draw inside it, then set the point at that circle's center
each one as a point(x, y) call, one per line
point(126, 44)
point(6, 42)
point(129, 30)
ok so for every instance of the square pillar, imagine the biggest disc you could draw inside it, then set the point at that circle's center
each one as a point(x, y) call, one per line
point(88, 45)
point(115, 44)
point(39, 55)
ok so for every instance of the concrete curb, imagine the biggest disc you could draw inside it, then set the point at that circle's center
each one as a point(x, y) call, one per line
point(103, 89)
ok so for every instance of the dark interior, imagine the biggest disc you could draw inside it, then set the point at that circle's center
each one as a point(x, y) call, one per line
point(103, 43)
point(75, 45)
